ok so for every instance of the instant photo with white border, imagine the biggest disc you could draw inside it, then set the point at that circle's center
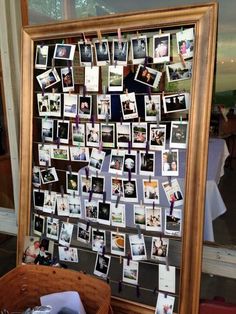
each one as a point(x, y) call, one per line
point(115, 78)
point(98, 240)
point(139, 134)
point(92, 134)
point(98, 186)
point(130, 162)
point(75, 208)
point(137, 247)
point(72, 183)
point(64, 52)
point(179, 134)
point(161, 48)
point(118, 243)
point(103, 106)
point(176, 102)
point(44, 153)
point(147, 76)
point(173, 192)
point(152, 107)
point(47, 129)
point(85, 183)
point(102, 52)
point(130, 272)
point(96, 160)
point(68, 254)
point(41, 57)
point(151, 191)
point(48, 78)
point(104, 212)
point(119, 52)
point(170, 162)
point(130, 190)
point(164, 302)
point(146, 163)
point(157, 136)
point(60, 152)
point(123, 134)
point(128, 106)
point(52, 228)
point(108, 133)
point(118, 215)
point(38, 197)
point(83, 233)
point(85, 106)
point(49, 175)
point(173, 223)
point(70, 105)
point(91, 210)
point(66, 234)
point(185, 42)
point(178, 71)
point(139, 216)
point(91, 79)
point(49, 205)
point(116, 188)
point(139, 49)
point(153, 218)
point(63, 128)
point(116, 163)
point(63, 205)
point(67, 79)
point(85, 53)
point(39, 222)
point(79, 154)
point(160, 248)
point(102, 265)
point(78, 134)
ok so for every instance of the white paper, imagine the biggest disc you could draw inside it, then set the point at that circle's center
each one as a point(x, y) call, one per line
point(167, 278)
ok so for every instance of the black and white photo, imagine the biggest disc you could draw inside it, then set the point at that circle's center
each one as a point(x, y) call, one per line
point(115, 78)
point(139, 50)
point(128, 106)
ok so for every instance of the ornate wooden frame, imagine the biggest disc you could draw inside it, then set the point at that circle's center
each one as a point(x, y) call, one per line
point(204, 19)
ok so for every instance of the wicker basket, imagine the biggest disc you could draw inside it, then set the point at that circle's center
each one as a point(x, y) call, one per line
point(22, 287)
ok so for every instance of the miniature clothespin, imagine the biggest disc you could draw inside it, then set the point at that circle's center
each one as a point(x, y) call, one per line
point(149, 93)
point(58, 142)
point(169, 181)
point(139, 231)
point(128, 258)
point(100, 146)
point(87, 172)
point(43, 141)
point(154, 290)
point(129, 147)
point(62, 191)
point(90, 195)
point(119, 286)
point(121, 119)
point(108, 280)
point(120, 259)
point(43, 90)
point(104, 196)
point(137, 291)
point(77, 121)
point(117, 200)
point(49, 188)
point(69, 170)
point(53, 63)
point(167, 264)
point(129, 175)
point(99, 35)
point(92, 120)
point(87, 225)
point(172, 202)
point(84, 90)
point(107, 118)
point(85, 39)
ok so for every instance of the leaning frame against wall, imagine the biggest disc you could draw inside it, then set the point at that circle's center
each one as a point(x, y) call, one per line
point(204, 19)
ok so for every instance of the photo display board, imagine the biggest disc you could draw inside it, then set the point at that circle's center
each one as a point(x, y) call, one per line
point(107, 152)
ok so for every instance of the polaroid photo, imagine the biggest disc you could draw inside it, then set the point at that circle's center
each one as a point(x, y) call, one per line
point(173, 222)
point(147, 163)
point(85, 53)
point(49, 205)
point(75, 210)
point(43, 105)
point(83, 233)
point(55, 104)
point(176, 102)
point(44, 154)
point(64, 52)
point(85, 106)
point(178, 71)
point(104, 212)
point(151, 191)
point(173, 192)
point(63, 128)
point(86, 185)
point(91, 79)
point(91, 210)
point(152, 107)
point(52, 228)
point(116, 188)
point(65, 234)
point(67, 79)
point(123, 134)
point(98, 240)
point(108, 133)
point(38, 226)
point(185, 43)
point(102, 265)
point(139, 50)
point(120, 52)
point(116, 164)
point(72, 183)
point(93, 134)
point(102, 52)
point(78, 134)
point(153, 219)
point(41, 57)
point(68, 254)
point(130, 272)
point(48, 78)
point(98, 186)
point(118, 215)
point(139, 134)
point(157, 136)
point(147, 76)
point(160, 248)
point(118, 243)
point(63, 205)
point(49, 175)
point(47, 129)
point(96, 160)
point(79, 154)
point(161, 48)
point(37, 251)
point(166, 280)
point(179, 134)
point(137, 247)
point(128, 106)
point(170, 162)
point(70, 105)
point(130, 190)
point(36, 179)
point(165, 304)
point(130, 162)
point(60, 152)
point(115, 78)
point(140, 216)
point(104, 106)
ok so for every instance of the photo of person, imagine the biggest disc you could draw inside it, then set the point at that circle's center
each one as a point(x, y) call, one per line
point(130, 271)
point(130, 190)
point(49, 175)
point(48, 78)
point(47, 129)
point(130, 162)
point(85, 185)
point(63, 205)
point(31, 249)
point(64, 52)
point(63, 131)
point(98, 240)
point(152, 106)
point(72, 183)
point(170, 162)
point(75, 209)
point(118, 215)
point(153, 218)
point(108, 134)
point(128, 106)
point(66, 234)
point(173, 192)
point(79, 154)
point(85, 106)
point(123, 134)
point(55, 104)
point(147, 163)
point(78, 134)
point(178, 72)
point(140, 216)
point(118, 243)
point(179, 134)
point(96, 160)
point(91, 210)
point(185, 43)
point(176, 102)
point(165, 304)
point(151, 191)
point(36, 180)
point(173, 222)
point(44, 153)
point(83, 232)
point(148, 76)
point(116, 164)
point(139, 134)
point(157, 136)
point(120, 52)
point(49, 205)
point(104, 106)
point(102, 265)
point(104, 212)
point(138, 248)
point(70, 105)
point(92, 134)
point(115, 78)
point(161, 48)
point(52, 228)
point(41, 57)
point(38, 224)
point(139, 49)
point(160, 248)
point(116, 188)
point(85, 53)
point(67, 79)
point(68, 254)
point(102, 52)
point(61, 153)
point(98, 186)
point(43, 105)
